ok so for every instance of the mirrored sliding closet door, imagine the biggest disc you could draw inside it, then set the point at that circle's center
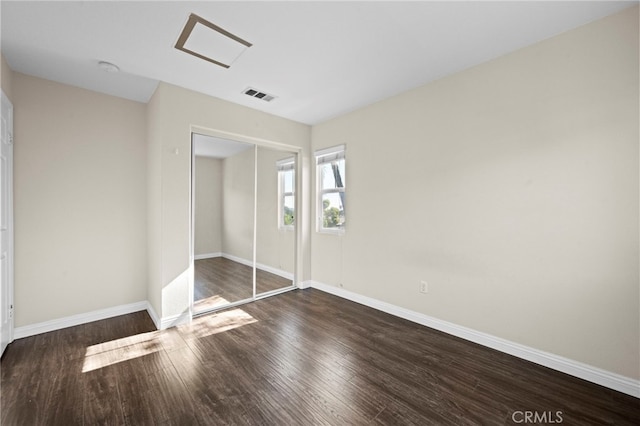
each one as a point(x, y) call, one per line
point(244, 225)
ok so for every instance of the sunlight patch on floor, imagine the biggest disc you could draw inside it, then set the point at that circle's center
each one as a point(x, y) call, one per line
point(119, 350)
point(210, 303)
point(131, 347)
point(216, 323)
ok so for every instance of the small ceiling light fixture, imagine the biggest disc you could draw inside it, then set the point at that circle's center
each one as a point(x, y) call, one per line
point(108, 67)
point(207, 41)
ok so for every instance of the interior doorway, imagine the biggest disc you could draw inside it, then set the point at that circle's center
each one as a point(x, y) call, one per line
point(6, 223)
point(244, 230)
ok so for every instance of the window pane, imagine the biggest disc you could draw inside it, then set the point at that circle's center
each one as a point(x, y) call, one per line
point(328, 173)
point(288, 210)
point(288, 180)
point(328, 180)
point(332, 210)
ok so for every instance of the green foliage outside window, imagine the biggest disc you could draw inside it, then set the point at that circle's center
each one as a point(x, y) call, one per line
point(288, 216)
point(331, 215)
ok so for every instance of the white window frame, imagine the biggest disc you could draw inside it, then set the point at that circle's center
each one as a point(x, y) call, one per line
point(326, 156)
point(283, 166)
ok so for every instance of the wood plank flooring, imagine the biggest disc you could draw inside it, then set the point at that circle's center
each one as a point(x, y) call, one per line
point(300, 358)
point(219, 281)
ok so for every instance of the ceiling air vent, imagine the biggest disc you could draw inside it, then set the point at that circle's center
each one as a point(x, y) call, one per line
point(254, 93)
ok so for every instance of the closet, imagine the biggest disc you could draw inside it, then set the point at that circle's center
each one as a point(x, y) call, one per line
point(244, 207)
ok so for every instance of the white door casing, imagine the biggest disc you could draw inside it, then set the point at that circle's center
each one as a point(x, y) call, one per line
point(6, 223)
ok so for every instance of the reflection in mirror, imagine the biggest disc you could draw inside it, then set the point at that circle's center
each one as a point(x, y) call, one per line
point(223, 203)
point(276, 216)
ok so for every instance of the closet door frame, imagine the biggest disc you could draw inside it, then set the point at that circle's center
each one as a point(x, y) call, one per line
point(257, 142)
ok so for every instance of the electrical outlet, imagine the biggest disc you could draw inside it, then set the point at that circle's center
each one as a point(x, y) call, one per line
point(424, 287)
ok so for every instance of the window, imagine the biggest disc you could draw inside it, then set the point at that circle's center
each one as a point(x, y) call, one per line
point(330, 178)
point(286, 193)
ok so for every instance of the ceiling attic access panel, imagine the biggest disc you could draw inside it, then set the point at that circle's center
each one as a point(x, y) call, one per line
point(207, 41)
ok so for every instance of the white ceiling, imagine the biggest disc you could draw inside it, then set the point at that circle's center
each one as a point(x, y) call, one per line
point(321, 59)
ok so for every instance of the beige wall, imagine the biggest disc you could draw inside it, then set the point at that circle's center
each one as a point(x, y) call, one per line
point(238, 204)
point(6, 77)
point(274, 246)
point(207, 191)
point(172, 113)
point(512, 188)
point(80, 210)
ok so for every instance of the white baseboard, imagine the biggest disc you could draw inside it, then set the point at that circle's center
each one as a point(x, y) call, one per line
point(207, 256)
point(154, 316)
point(305, 284)
point(57, 324)
point(240, 260)
point(275, 271)
point(261, 266)
point(73, 320)
point(583, 371)
point(175, 320)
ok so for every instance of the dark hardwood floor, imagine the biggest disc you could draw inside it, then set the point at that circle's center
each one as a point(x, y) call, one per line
point(300, 358)
point(219, 281)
